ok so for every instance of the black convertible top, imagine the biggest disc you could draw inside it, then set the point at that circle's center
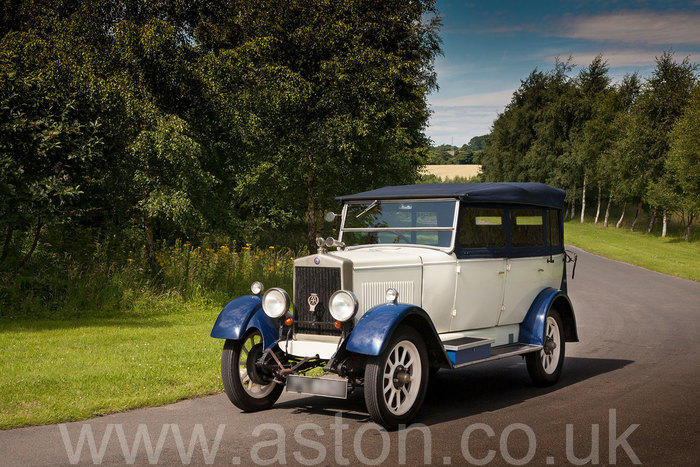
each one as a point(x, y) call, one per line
point(536, 194)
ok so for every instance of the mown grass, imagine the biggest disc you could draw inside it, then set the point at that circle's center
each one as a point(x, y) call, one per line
point(670, 255)
point(56, 371)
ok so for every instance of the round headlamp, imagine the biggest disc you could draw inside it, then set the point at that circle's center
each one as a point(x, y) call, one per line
point(275, 302)
point(392, 295)
point(256, 287)
point(343, 305)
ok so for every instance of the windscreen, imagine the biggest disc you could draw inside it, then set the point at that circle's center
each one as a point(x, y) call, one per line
point(399, 222)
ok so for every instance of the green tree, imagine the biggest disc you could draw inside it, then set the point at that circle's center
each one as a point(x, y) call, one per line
point(47, 142)
point(328, 98)
point(609, 169)
point(645, 145)
point(531, 135)
point(683, 163)
point(594, 113)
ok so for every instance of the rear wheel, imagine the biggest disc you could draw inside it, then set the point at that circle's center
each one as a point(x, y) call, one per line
point(246, 386)
point(395, 381)
point(545, 366)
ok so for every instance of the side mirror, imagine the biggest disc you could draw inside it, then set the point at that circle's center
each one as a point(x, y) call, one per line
point(330, 216)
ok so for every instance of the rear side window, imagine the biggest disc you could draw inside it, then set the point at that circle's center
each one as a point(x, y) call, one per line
point(526, 227)
point(554, 227)
point(482, 228)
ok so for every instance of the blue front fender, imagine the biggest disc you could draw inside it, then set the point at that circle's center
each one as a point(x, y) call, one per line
point(373, 331)
point(242, 314)
point(532, 327)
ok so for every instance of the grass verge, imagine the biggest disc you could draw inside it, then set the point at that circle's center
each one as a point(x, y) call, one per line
point(72, 369)
point(669, 255)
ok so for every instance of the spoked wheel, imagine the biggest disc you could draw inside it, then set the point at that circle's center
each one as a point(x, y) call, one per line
point(246, 386)
point(395, 381)
point(545, 366)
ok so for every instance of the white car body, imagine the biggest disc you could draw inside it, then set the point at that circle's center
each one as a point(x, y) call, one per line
point(422, 277)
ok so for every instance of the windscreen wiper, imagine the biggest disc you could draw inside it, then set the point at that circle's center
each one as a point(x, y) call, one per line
point(374, 204)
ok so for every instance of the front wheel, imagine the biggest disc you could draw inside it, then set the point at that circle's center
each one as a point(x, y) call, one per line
point(545, 366)
point(396, 380)
point(246, 386)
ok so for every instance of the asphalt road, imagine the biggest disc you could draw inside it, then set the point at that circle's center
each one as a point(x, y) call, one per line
point(629, 393)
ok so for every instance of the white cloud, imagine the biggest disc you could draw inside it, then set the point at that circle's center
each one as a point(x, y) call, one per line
point(457, 120)
point(499, 98)
point(645, 27)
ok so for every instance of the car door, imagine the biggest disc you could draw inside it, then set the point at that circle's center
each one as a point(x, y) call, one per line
point(527, 268)
point(480, 274)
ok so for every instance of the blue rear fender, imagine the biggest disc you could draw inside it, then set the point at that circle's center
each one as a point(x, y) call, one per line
point(242, 314)
point(374, 330)
point(532, 327)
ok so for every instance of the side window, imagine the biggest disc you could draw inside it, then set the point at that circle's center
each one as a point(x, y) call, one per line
point(482, 228)
point(554, 227)
point(526, 227)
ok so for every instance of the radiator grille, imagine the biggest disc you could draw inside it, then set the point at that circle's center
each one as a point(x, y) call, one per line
point(322, 282)
point(374, 293)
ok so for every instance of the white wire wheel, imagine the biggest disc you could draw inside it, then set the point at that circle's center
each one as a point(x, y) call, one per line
point(545, 365)
point(395, 381)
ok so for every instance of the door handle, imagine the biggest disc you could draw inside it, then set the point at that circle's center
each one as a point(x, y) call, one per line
point(540, 270)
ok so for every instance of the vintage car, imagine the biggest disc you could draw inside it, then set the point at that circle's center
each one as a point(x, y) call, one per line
point(422, 277)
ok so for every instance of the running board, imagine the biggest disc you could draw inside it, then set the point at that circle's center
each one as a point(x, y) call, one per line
point(503, 351)
point(464, 350)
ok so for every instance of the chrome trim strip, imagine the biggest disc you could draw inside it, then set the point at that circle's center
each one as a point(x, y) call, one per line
point(388, 266)
point(402, 245)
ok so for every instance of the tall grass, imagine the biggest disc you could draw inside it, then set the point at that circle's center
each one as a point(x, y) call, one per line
point(108, 277)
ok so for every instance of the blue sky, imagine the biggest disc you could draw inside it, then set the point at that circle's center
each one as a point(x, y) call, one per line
point(489, 46)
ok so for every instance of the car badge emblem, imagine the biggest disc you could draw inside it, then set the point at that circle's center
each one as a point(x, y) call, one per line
point(317, 260)
point(313, 302)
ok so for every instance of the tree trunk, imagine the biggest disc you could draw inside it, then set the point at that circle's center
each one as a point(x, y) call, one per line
point(663, 229)
point(619, 223)
point(607, 210)
point(636, 216)
point(583, 197)
point(573, 202)
point(37, 232)
point(690, 219)
point(597, 211)
point(7, 243)
point(653, 219)
point(150, 246)
point(312, 232)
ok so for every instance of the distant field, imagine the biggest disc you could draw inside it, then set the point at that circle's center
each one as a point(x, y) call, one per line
point(453, 170)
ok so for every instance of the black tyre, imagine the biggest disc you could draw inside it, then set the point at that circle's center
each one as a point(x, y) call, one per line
point(396, 380)
point(545, 366)
point(245, 386)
